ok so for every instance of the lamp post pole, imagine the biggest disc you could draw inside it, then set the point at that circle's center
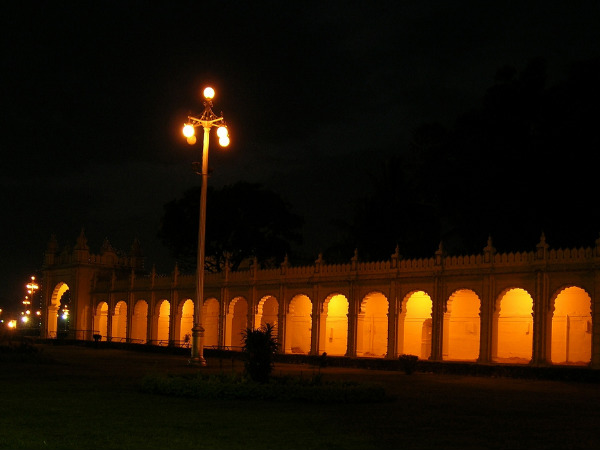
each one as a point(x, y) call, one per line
point(207, 120)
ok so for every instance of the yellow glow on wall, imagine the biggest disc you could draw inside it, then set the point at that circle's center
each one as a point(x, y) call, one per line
point(139, 323)
point(334, 326)
point(571, 341)
point(210, 322)
point(513, 328)
point(415, 325)
point(299, 325)
point(372, 326)
point(101, 320)
point(461, 327)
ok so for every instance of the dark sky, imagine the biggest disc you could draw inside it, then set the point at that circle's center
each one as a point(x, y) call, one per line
point(315, 94)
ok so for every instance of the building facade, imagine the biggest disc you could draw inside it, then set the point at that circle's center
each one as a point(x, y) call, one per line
point(539, 307)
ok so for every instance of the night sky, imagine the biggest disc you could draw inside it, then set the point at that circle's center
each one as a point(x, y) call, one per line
point(315, 94)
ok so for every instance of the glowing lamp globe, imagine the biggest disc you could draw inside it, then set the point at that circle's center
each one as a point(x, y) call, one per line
point(188, 130)
point(224, 141)
point(222, 132)
point(209, 93)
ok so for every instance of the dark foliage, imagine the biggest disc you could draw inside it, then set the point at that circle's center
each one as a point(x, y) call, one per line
point(259, 350)
point(521, 164)
point(243, 220)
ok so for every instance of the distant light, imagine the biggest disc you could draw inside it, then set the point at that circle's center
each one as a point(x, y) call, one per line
point(64, 316)
point(12, 324)
point(209, 93)
point(24, 319)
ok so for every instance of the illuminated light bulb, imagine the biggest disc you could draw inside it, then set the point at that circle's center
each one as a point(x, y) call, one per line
point(224, 141)
point(209, 93)
point(191, 140)
point(222, 132)
point(188, 130)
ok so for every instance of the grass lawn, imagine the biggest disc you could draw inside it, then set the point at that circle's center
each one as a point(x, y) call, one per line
point(75, 397)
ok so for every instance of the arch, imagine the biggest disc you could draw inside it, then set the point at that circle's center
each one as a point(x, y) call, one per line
point(186, 322)
point(372, 326)
point(462, 326)
point(139, 322)
point(162, 322)
point(101, 320)
point(210, 322)
point(334, 326)
point(119, 322)
point(512, 327)
point(414, 325)
point(299, 325)
point(267, 312)
point(571, 337)
point(237, 322)
point(56, 300)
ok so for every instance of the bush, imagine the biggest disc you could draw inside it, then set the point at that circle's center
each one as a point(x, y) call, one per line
point(259, 351)
point(408, 363)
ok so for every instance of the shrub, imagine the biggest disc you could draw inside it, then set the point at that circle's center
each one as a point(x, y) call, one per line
point(259, 351)
point(408, 363)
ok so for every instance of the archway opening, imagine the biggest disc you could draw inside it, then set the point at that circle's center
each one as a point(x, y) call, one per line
point(462, 327)
point(210, 322)
point(119, 322)
point(139, 323)
point(415, 325)
point(186, 323)
point(237, 321)
point(571, 341)
point(57, 320)
point(513, 328)
point(334, 326)
point(162, 323)
point(372, 326)
point(267, 312)
point(101, 320)
point(299, 325)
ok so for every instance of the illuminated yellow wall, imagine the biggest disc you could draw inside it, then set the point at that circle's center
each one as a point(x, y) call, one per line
point(139, 323)
point(572, 327)
point(334, 326)
point(372, 327)
point(414, 325)
point(299, 325)
point(461, 327)
point(187, 321)
point(237, 322)
point(162, 329)
point(513, 328)
point(119, 322)
point(210, 322)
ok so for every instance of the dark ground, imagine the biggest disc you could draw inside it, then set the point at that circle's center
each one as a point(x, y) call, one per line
point(428, 410)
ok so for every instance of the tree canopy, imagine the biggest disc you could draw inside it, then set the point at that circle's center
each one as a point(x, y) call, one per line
point(243, 220)
point(522, 163)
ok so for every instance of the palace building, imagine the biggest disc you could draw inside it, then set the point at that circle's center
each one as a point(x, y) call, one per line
point(540, 307)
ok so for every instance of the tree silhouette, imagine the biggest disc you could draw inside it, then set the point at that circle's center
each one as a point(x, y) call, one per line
point(243, 220)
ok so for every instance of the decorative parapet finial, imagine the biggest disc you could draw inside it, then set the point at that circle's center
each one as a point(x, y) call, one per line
point(489, 251)
point(542, 248)
point(395, 257)
point(285, 264)
point(354, 259)
point(319, 262)
point(439, 254)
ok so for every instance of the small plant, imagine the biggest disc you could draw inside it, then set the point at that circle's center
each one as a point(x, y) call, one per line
point(408, 363)
point(259, 349)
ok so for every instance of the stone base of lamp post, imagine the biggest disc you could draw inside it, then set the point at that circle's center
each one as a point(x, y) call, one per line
point(197, 358)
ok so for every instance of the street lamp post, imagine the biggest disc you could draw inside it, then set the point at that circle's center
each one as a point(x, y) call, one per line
point(207, 120)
